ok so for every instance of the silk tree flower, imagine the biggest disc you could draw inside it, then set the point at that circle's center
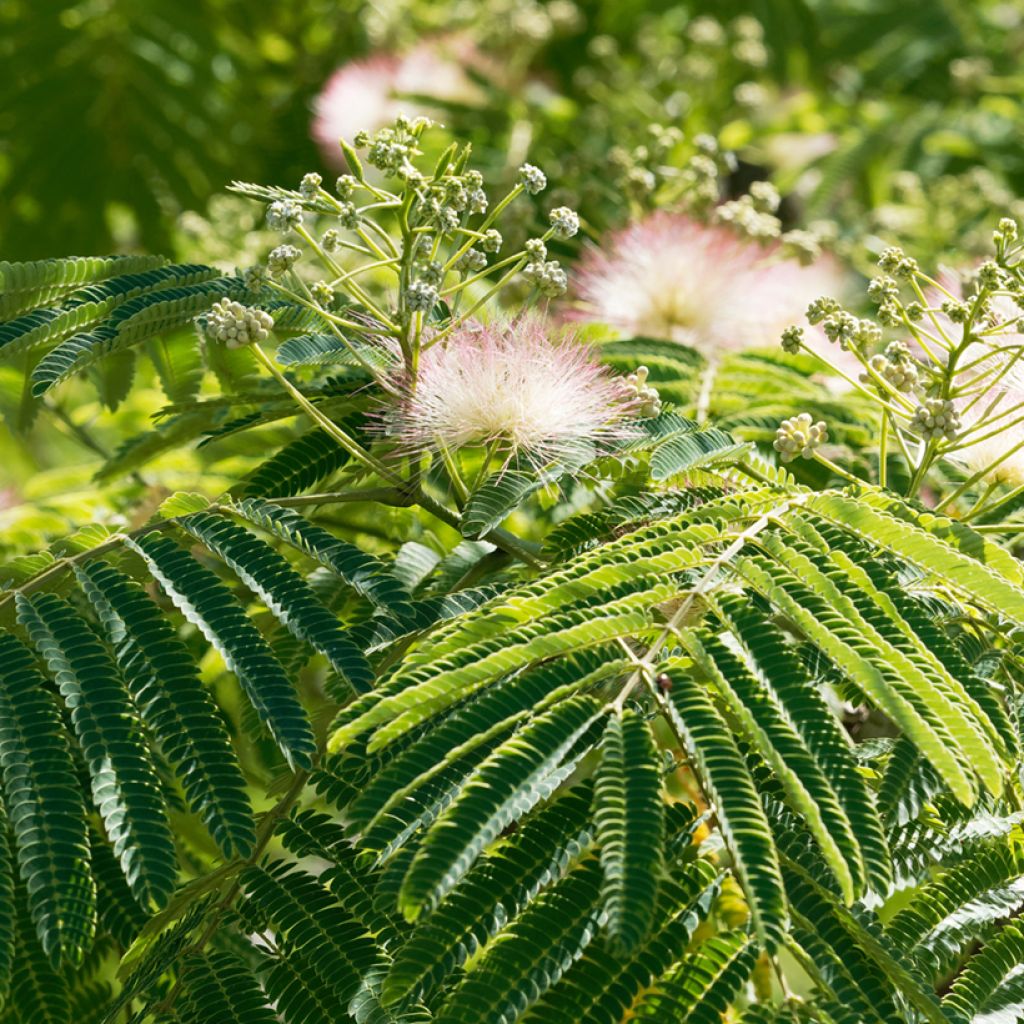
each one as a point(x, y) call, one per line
point(513, 385)
point(674, 278)
point(368, 94)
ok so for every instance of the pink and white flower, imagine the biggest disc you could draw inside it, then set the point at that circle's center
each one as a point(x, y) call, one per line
point(512, 384)
point(674, 278)
point(368, 94)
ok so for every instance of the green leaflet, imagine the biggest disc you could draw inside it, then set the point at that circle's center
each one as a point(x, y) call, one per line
point(367, 575)
point(522, 771)
point(48, 816)
point(35, 983)
point(37, 283)
point(90, 307)
point(285, 593)
point(173, 702)
point(221, 987)
point(799, 773)
point(322, 940)
point(497, 657)
point(8, 923)
point(140, 318)
point(297, 467)
point(843, 642)
point(962, 906)
point(723, 773)
point(125, 787)
point(629, 818)
point(494, 890)
point(700, 989)
point(210, 606)
point(775, 662)
point(949, 562)
point(601, 987)
point(534, 952)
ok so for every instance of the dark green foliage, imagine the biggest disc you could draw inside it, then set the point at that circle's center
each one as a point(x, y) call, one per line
point(45, 809)
point(206, 602)
point(125, 787)
point(629, 820)
point(297, 467)
point(284, 592)
point(165, 685)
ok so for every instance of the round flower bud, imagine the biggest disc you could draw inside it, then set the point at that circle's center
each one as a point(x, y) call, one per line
point(765, 197)
point(236, 325)
point(549, 277)
point(564, 221)
point(283, 215)
point(799, 437)
point(647, 397)
point(491, 242)
point(532, 179)
point(821, 308)
point(349, 216)
point(310, 185)
point(792, 339)
point(536, 249)
point(282, 259)
point(331, 240)
point(345, 186)
point(323, 294)
point(420, 297)
point(255, 277)
point(937, 419)
point(471, 261)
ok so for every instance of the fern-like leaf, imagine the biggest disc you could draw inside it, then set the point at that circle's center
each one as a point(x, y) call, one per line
point(513, 779)
point(284, 592)
point(125, 786)
point(174, 704)
point(210, 606)
point(46, 809)
point(629, 816)
point(709, 741)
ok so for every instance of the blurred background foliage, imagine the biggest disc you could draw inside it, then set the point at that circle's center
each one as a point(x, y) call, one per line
point(118, 116)
point(122, 121)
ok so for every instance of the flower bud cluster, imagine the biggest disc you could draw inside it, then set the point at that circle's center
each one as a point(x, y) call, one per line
point(645, 394)
point(420, 297)
point(283, 215)
point(323, 294)
point(309, 187)
point(848, 331)
point(799, 437)
point(792, 339)
point(236, 325)
point(532, 179)
point(393, 149)
point(895, 366)
point(282, 259)
point(548, 276)
point(937, 419)
point(896, 262)
point(803, 246)
point(564, 222)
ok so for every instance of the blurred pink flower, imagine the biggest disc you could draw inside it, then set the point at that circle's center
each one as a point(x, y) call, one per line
point(674, 278)
point(510, 383)
point(368, 94)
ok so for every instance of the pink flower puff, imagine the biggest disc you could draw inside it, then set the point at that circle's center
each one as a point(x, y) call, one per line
point(510, 383)
point(674, 278)
point(368, 94)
